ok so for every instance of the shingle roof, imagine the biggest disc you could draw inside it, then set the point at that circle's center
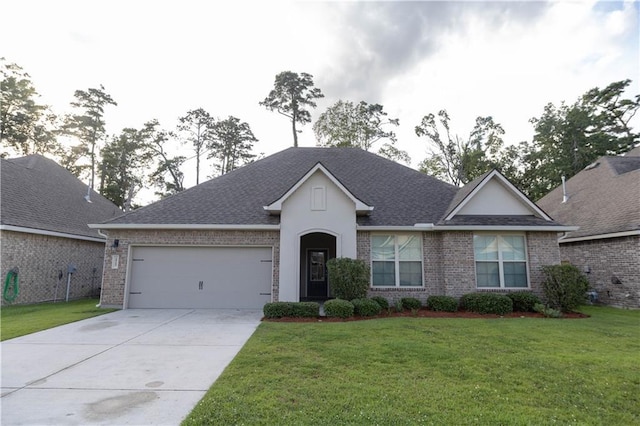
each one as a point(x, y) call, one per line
point(496, 220)
point(37, 193)
point(400, 195)
point(604, 198)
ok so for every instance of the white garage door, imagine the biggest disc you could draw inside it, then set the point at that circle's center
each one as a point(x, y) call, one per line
point(200, 277)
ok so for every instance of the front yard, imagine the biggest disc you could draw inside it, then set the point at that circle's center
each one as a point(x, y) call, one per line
point(434, 371)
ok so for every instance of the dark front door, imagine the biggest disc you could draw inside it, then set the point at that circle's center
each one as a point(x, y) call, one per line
point(317, 273)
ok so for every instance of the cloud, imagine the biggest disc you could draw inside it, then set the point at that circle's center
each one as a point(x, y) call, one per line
point(379, 41)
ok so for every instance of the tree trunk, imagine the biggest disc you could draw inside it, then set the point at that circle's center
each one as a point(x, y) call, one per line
point(295, 132)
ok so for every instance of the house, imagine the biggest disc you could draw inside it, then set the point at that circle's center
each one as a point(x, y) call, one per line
point(265, 231)
point(44, 214)
point(604, 201)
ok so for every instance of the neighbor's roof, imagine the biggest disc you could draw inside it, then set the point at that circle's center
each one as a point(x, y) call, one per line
point(38, 194)
point(604, 198)
point(400, 196)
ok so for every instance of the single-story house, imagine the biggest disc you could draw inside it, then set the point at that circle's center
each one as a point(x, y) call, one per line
point(264, 233)
point(44, 212)
point(604, 201)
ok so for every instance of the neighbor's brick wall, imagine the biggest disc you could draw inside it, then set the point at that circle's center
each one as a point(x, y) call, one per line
point(41, 257)
point(113, 284)
point(608, 258)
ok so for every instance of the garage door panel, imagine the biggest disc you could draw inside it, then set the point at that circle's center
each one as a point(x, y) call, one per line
point(200, 277)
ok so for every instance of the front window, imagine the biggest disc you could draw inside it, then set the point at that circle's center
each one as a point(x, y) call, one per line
point(501, 261)
point(396, 260)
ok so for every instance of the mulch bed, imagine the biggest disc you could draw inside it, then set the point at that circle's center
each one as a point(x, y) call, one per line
point(425, 313)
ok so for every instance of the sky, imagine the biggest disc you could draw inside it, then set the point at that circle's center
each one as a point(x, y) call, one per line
point(160, 59)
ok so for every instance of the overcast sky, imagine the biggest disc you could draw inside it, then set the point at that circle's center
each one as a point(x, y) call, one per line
point(159, 59)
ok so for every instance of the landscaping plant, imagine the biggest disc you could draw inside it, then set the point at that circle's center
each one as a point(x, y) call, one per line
point(411, 303)
point(366, 307)
point(523, 301)
point(384, 303)
point(442, 303)
point(487, 303)
point(565, 287)
point(349, 278)
point(338, 308)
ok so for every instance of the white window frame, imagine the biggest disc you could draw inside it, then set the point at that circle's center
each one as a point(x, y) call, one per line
point(396, 259)
point(501, 261)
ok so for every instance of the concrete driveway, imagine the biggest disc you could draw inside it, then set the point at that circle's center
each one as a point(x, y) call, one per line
point(131, 367)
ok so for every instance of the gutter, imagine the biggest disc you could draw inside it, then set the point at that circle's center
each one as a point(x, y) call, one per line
point(107, 226)
point(563, 240)
point(51, 233)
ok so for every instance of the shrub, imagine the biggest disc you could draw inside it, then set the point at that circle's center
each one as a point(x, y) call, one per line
point(291, 309)
point(384, 303)
point(349, 278)
point(398, 305)
point(338, 308)
point(523, 301)
point(410, 303)
point(565, 287)
point(442, 303)
point(487, 303)
point(366, 307)
point(547, 311)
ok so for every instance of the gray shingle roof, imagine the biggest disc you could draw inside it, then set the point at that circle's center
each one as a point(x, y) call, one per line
point(38, 193)
point(401, 196)
point(604, 198)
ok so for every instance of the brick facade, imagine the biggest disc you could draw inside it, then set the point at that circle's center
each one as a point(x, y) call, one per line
point(612, 266)
point(449, 264)
point(41, 259)
point(113, 285)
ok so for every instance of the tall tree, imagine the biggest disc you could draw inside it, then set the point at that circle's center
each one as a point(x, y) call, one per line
point(124, 162)
point(195, 127)
point(459, 160)
point(26, 126)
point(232, 144)
point(292, 94)
point(358, 125)
point(570, 137)
point(166, 176)
point(88, 124)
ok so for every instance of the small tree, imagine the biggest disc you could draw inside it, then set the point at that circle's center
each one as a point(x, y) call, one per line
point(565, 287)
point(349, 278)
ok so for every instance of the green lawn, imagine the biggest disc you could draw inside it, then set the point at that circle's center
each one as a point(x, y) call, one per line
point(26, 319)
point(434, 371)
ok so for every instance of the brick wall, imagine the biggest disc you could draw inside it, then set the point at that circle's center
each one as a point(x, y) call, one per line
point(458, 266)
point(40, 258)
point(113, 285)
point(542, 249)
point(606, 259)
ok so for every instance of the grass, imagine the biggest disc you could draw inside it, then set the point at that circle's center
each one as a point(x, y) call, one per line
point(413, 371)
point(26, 319)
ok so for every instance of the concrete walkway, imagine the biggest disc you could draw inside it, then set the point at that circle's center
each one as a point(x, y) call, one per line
point(131, 367)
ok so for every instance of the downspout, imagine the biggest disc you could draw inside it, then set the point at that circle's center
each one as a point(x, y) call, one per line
point(565, 197)
point(102, 234)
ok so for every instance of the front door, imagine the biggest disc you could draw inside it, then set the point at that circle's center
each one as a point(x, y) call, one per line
point(317, 286)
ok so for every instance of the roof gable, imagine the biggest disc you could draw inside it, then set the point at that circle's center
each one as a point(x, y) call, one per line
point(276, 206)
point(493, 195)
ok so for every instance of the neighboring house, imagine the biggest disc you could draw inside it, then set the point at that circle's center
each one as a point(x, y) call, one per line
point(604, 201)
point(43, 230)
point(265, 231)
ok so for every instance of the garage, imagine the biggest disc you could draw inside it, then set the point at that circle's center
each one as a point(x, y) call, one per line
point(200, 277)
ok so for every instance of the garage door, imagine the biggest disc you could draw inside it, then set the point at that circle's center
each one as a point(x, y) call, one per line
point(200, 277)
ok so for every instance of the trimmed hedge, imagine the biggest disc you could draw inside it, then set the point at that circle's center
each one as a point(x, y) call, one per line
point(338, 308)
point(442, 303)
point(523, 301)
point(366, 307)
point(291, 309)
point(349, 278)
point(384, 303)
point(411, 303)
point(487, 303)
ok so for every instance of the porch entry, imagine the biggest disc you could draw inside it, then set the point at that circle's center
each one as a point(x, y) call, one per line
point(315, 251)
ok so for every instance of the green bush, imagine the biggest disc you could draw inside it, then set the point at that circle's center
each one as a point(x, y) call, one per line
point(384, 303)
point(565, 287)
point(411, 303)
point(523, 301)
point(349, 278)
point(487, 303)
point(291, 309)
point(366, 307)
point(442, 303)
point(547, 311)
point(398, 305)
point(338, 308)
